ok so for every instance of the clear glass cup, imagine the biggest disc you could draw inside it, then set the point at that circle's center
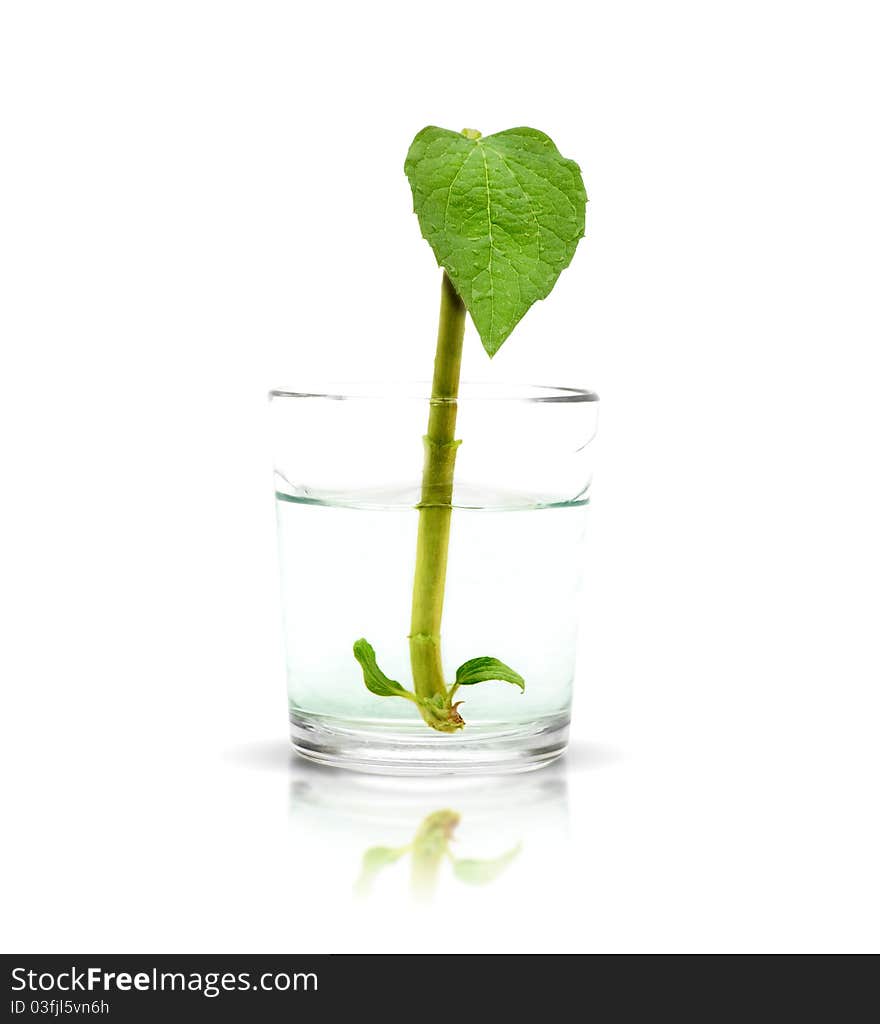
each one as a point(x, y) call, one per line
point(348, 483)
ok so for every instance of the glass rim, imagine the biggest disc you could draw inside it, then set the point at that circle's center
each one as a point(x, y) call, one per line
point(420, 391)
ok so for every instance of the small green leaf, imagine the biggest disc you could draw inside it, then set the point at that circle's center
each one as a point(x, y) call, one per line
point(503, 214)
point(481, 872)
point(479, 670)
point(374, 860)
point(378, 857)
point(375, 679)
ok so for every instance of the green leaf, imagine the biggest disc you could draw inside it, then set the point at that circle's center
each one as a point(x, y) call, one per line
point(481, 872)
point(374, 860)
point(478, 670)
point(375, 679)
point(503, 214)
point(378, 857)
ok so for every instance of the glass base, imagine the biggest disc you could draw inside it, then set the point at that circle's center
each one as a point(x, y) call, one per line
point(395, 748)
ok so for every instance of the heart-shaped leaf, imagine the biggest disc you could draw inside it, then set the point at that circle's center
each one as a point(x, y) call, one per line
point(503, 214)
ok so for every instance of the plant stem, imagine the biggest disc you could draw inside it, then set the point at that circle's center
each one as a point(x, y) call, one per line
point(435, 507)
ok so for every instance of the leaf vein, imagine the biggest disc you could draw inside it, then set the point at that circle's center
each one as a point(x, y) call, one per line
point(525, 194)
point(451, 186)
point(491, 242)
point(545, 179)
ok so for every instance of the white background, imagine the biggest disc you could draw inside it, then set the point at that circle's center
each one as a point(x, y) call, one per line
point(203, 200)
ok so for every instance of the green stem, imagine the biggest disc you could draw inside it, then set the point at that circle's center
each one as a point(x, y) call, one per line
point(435, 507)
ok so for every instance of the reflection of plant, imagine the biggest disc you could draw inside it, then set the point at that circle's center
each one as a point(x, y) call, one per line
point(430, 845)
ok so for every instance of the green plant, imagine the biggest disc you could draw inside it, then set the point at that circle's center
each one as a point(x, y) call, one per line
point(504, 215)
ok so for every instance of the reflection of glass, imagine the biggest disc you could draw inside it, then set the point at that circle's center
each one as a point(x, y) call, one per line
point(335, 816)
point(431, 845)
